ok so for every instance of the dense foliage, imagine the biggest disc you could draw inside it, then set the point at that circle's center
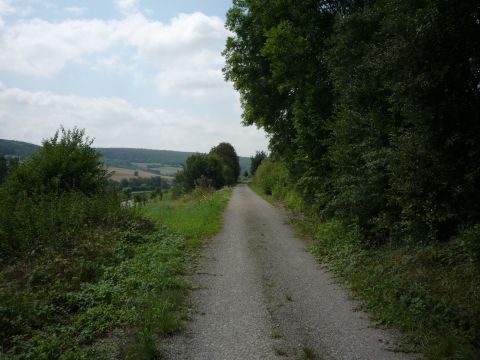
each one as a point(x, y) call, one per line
point(373, 113)
point(142, 184)
point(7, 166)
point(81, 276)
point(231, 161)
point(58, 221)
point(256, 160)
point(3, 168)
point(373, 105)
point(50, 198)
point(429, 291)
point(216, 169)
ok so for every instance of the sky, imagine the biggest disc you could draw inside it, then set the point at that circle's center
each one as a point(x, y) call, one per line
point(132, 73)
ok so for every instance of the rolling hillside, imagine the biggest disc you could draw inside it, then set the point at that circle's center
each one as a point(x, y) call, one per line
point(125, 158)
point(145, 155)
point(17, 148)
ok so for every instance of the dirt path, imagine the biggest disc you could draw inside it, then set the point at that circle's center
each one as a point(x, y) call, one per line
point(261, 295)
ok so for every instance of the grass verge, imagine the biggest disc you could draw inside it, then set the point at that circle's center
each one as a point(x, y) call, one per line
point(195, 216)
point(134, 299)
point(430, 292)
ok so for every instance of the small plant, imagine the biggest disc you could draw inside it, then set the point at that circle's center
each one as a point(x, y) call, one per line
point(279, 351)
point(308, 353)
point(277, 334)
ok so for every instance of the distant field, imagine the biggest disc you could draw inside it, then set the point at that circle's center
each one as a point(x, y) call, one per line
point(123, 173)
point(165, 170)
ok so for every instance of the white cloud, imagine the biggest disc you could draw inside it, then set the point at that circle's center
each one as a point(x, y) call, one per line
point(41, 48)
point(193, 83)
point(33, 116)
point(185, 53)
point(178, 58)
point(75, 10)
point(126, 6)
point(5, 7)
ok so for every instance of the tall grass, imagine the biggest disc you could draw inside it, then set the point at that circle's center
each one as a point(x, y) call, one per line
point(194, 216)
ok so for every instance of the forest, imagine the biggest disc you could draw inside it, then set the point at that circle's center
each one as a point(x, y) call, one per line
point(374, 106)
point(373, 113)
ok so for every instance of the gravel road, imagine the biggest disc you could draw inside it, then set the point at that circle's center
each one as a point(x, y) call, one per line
point(259, 294)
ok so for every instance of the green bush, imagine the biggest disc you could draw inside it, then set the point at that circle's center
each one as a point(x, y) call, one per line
point(54, 199)
point(59, 222)
point(209, 166)
point(75, 266)
point(231, 164)
point(469, 240)
point(66, 162)
point(272, 178)
point(44, 223)
point(256, 160)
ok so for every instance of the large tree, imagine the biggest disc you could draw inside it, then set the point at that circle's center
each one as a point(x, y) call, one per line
point(407, 125)
point(202, 166)
point(373, 105)
point(231, 161)
point(276, 62)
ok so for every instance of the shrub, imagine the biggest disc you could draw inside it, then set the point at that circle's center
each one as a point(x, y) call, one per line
point(272, 178)
point(200, 166)
point(55, 198)
point(256, 160)
point(469, 239)
point(66, 162)
point(59, 226)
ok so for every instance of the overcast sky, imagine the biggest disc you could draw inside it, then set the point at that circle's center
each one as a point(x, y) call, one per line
point(133, 73)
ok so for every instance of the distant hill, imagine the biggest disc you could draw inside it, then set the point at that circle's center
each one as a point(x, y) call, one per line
point(17, 148)
point(145, 155)
point(120, 157)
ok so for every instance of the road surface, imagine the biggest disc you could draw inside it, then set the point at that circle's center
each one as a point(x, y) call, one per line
point(259, 294)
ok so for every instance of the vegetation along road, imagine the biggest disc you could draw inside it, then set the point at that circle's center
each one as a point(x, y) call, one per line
point(259, 294)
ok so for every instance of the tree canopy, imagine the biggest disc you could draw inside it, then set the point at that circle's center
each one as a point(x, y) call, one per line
point(216, 169)
point(256, 160)
point(373, 105)
point(229, 156)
